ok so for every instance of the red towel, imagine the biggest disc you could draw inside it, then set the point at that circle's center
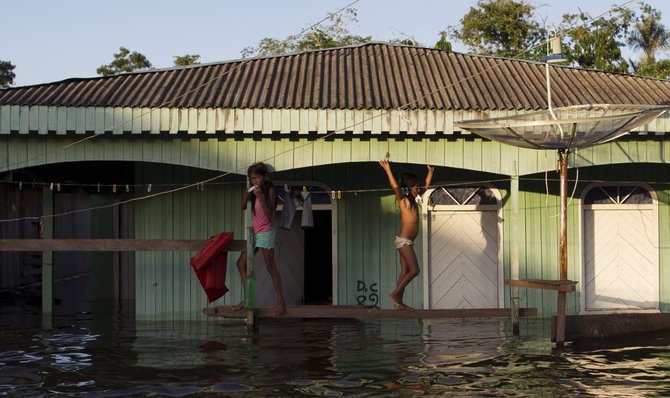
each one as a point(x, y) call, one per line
point(210, 265)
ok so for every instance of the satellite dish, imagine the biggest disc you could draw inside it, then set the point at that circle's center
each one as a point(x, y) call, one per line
point(565, 128)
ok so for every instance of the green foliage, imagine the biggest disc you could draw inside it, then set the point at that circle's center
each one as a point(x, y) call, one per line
point(332, 33)
point(186, 59)
point(125, 61)
point(6, 74)
point(657, 69)
point(597, 43)
point(650, 35)
point(405, 42)
point(505, 28)
point(443, 44)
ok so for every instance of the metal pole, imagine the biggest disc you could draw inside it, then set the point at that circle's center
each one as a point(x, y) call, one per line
point(563, 247)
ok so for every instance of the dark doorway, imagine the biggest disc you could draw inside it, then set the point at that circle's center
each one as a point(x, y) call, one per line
point(319, 260)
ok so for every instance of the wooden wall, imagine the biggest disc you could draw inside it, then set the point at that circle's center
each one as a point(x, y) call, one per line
point(233, 153)
point(166, 286)
point(366, 217)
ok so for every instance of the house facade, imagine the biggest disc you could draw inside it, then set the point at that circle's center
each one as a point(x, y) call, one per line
point(163, 155)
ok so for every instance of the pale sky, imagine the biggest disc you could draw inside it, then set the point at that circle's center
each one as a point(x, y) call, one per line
point(52, 40)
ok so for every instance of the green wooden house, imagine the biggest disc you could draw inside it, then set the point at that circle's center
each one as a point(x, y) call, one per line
point(162, 154)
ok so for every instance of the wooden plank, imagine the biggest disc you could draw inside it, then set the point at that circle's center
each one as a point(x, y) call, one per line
point(80, 120)
point(47, 257)
point(61, 120)
point(600, 326)
point(17, 119)
point(191, 115)
point(5, 119)
point(135, 122)
point(114, 245)
point(559, 285)
point(363, 312)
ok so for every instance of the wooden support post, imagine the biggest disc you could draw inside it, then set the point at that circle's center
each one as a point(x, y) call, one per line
point(250, 288)
point(563, 247)
point(514, 250)
point(46, 232)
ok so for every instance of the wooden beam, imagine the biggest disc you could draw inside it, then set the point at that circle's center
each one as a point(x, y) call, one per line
point(601, 326)
point(560, 285)
point(109, 245)
point(361, 312)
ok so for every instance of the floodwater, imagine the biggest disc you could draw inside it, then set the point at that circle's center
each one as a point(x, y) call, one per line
point(113, 356)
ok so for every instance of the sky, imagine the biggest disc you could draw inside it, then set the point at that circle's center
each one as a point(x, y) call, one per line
point(50, 40)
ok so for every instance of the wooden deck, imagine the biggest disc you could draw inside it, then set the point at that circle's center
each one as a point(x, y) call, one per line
point(603, 326)
point(361, 312)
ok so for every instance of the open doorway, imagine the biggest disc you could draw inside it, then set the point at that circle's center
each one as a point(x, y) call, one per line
point(318, 260)
point(304, 250)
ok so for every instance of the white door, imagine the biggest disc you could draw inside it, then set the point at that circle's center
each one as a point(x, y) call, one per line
point(463, 248)
point(621, 257)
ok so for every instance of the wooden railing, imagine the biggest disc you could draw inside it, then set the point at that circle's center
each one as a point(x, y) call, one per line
point(109, 245)
point(559, 285)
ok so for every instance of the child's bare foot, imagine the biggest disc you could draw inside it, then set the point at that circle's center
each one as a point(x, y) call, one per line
point(239, 306)
point(398, 304)
point(279, 309)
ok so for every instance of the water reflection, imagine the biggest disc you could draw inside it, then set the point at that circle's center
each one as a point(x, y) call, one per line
point(114, 356)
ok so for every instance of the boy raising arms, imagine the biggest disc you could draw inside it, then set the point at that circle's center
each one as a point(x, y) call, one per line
point(406, 191)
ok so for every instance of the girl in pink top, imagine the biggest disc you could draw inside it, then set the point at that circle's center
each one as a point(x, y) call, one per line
point(264, 202)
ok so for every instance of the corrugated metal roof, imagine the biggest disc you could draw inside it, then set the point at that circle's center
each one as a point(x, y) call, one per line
point(369, 76)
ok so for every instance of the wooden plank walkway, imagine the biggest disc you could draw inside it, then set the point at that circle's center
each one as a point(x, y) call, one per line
point(603, 326)
point(361, 312)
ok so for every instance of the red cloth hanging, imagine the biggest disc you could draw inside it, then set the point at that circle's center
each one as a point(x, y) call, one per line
point(210, 265)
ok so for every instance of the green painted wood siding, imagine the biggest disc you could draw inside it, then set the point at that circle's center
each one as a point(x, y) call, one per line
point(167, 288)
point(232, 155)
point(367, 222)
point(82, 120)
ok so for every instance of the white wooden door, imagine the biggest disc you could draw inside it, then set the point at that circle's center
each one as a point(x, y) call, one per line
point(463, 260)
point(621, 257)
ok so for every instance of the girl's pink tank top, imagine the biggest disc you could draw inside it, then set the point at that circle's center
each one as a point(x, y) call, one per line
point(260, 221)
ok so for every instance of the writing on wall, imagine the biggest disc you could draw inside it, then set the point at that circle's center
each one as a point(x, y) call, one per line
point(367, 294)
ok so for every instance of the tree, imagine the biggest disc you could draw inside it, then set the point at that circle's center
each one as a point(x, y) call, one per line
point(658, 69)
point(597, 43)
point(505, 28)
point(6, 74)
point(332, 33)
point(186, 59)
point(405, 42)
point(650, 35)
point(443, 44)
point(125, 61)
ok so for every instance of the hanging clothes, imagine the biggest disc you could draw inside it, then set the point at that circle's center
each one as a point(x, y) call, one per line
point(293, 199)
point(307, 220)
point(210, 265)
point(288, 211)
